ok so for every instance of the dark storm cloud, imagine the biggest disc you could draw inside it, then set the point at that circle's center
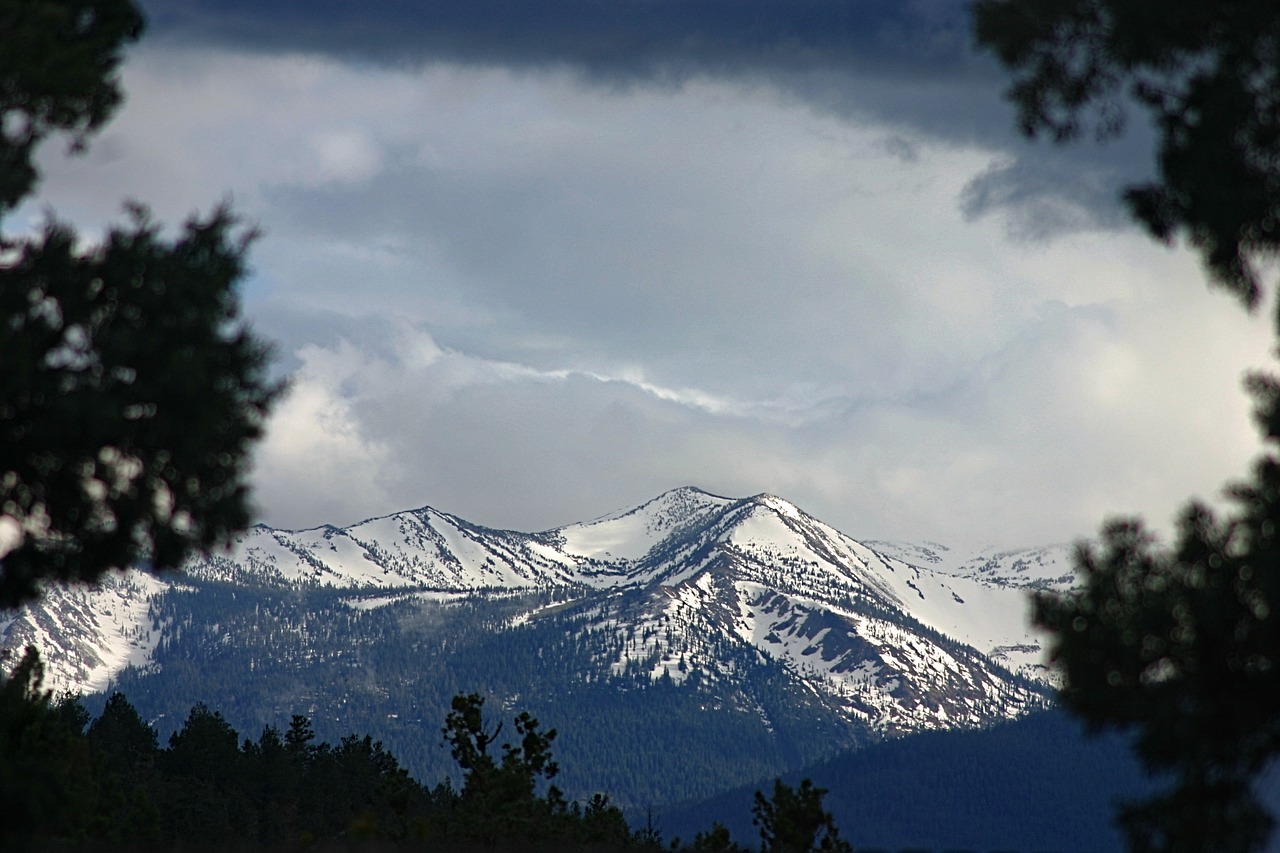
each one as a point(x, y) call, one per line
point(908, 64)
point(622, 40)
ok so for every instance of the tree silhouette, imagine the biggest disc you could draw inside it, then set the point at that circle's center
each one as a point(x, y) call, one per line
point(131, 389)
point(793, 820)
point(499, 799)
point(124, 750)
point(57, 74)
point(1207, 74)
point(1178, 644)
point(45, 780)
point(715, 840)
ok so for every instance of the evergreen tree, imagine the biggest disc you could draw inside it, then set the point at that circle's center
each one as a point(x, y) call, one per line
point(111, 456)
point(383, 800)
point(500, 801)
point(272, 781)
point(299, 742)
point(1207, 74)
point(57, 74)
point(124, 750)
point(203, 794)
point(120, 738)
point(1178, 644)
point(46, 781)
point(715, 840)
point(793, 820)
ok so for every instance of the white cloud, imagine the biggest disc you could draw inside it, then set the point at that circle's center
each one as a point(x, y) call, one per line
point(346, 155)
point(527, 301)
point(315, 464)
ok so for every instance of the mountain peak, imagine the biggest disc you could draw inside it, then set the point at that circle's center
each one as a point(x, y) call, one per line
point(629, 534)
point(780, 505)
point(688, 583)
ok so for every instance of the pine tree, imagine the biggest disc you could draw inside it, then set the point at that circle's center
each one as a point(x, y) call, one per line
point(111, 457)
point(793, 820)
point(1177, 644)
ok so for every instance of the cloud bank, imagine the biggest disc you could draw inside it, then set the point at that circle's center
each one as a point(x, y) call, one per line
point(530, 271)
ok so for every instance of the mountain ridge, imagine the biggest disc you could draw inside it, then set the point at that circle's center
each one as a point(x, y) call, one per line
point(763, 539)
point(746, 605)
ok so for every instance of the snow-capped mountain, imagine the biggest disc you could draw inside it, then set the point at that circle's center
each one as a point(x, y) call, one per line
point(895, 636)
point(723, 639)
point(432, 550)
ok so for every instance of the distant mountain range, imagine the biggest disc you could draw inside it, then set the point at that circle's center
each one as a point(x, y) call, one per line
point(680, 647)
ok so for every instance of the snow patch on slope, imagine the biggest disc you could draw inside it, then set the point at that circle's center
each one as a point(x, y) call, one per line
point(630, 534)
point(87, 633)
point(1049, 566)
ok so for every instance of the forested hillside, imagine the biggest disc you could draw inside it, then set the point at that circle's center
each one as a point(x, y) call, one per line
point(71, 781)
point(1038, 783)
point(71, 777)
point(392, 671)
point(687, 645)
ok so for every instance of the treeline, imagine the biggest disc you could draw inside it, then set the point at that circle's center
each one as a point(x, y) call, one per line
point(391, 671)
point(67, 779)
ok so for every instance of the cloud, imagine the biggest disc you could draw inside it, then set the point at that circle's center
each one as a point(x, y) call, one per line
point(528, 300)
point(314, 458)
point(407, 418)
point(659, 40)
point(1067, 424)
point(694, 236)
point(907, 64)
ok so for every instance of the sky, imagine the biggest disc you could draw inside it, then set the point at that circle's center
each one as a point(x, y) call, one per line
point(532, 262)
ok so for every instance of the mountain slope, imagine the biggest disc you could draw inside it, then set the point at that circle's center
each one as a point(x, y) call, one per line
point(1045, 567)
point(869, 631)
point(1040, 783)
point(88, 634)
point(795, 637)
